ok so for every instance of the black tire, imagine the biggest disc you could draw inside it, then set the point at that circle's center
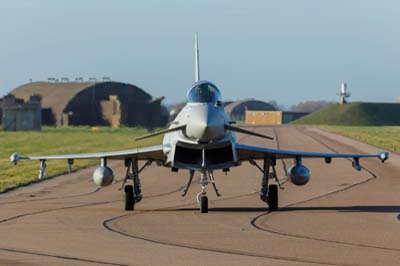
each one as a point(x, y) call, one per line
point(129, 198)
point(273, 197)
point(203, 204)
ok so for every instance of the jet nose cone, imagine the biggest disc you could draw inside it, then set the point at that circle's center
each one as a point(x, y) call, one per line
point(213, 128)
point(206, 124)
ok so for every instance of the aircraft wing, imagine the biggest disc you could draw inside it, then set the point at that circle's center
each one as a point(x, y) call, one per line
point(248, 152)
point(145, 153)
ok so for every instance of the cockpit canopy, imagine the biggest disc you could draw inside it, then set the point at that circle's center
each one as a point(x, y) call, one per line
point(204, 92)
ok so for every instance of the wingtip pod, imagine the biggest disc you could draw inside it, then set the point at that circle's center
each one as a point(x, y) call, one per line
point(15, 157)
point(383, 155)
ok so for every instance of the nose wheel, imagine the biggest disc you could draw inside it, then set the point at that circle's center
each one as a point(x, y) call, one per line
point(203, 204)
point(202, 198)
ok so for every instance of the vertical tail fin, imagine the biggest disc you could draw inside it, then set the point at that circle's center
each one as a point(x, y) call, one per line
point(196, 53)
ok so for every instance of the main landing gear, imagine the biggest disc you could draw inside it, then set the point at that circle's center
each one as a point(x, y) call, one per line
point(202, 199)
point(133, 193)
point(269, 193)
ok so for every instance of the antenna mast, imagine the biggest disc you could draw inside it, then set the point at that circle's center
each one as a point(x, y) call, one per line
point(196, 53)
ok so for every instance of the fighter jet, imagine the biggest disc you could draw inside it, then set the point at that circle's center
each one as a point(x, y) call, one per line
point(201, 139)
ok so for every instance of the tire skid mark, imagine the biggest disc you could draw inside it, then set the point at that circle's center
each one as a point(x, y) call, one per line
point(107, 224)
point(70, 258)
point(83, 205)
point(55, 209)
point(66, 208)
point(52, 198)
point(334, 150)
point(253, 222)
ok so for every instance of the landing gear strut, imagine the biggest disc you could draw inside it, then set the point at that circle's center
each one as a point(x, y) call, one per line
point(133, 194)
point(202, 198)
point(42, 169)
point(191, 175)
point(269, 193)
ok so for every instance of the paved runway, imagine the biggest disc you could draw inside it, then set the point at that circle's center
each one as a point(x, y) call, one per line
point(342, 217)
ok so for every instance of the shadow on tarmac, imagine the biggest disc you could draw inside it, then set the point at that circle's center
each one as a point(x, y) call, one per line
point(228, 209)
point(367, 208)
point(375, 209)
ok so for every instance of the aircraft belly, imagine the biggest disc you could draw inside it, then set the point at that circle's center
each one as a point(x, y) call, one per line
point(180, 165)
point(204, 157)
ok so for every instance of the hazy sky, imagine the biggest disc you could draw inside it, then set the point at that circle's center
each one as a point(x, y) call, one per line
point(288, 51)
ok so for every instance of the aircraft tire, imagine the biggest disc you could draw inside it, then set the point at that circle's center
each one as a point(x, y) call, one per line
point(273, 197)
point(129, 198)
point(203, 204)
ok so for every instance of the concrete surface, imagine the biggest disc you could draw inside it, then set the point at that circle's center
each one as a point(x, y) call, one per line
point(342, 217)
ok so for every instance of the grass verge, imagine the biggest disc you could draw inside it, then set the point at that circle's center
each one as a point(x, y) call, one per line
point(385, 137)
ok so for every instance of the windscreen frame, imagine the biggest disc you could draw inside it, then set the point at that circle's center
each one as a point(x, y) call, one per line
point(203, 92)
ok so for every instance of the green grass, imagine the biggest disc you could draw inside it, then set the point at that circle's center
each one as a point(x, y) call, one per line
point(385, 137)
point(61, 141)
point(355, 114)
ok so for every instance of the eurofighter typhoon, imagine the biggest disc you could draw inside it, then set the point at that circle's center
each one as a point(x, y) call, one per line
point(200, 139)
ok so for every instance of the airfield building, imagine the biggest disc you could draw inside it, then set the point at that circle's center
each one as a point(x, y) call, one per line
point(18, 114)
point(95, 103)
point(271, 117)
point(237, 110)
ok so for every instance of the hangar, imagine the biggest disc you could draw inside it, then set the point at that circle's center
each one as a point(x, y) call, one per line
point(237, 110)
point(95, 103)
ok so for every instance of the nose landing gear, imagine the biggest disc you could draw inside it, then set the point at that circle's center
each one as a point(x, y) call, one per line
point(202, 199)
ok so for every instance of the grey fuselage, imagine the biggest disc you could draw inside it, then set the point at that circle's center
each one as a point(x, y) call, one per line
point(204, 144)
